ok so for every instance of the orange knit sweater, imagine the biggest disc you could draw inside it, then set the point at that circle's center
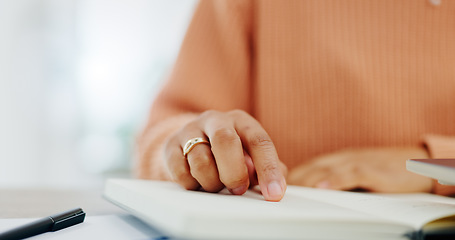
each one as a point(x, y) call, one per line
point(320, 75)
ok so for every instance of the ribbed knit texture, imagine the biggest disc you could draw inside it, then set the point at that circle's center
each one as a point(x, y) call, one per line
point(320, 75)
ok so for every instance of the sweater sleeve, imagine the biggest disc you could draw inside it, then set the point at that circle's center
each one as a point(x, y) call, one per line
point(441, 147)
point(212, 71)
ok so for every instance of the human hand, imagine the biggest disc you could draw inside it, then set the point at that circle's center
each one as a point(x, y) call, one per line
point(240, 154)
point(376, 170)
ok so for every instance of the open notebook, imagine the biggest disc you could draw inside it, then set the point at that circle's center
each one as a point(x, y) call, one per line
point(304, 213)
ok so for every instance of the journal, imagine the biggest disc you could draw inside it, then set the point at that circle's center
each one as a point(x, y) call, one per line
point(303, 213)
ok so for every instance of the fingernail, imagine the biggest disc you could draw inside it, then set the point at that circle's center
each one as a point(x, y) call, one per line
point(239, 191)
point(274, 190)
point(323, 184)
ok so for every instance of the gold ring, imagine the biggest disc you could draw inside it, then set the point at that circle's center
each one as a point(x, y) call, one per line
point(192, 143)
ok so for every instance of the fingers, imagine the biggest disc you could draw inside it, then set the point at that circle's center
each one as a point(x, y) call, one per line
point(204, 169)
point(332, 172)
point(265, 158)
point(227, 150)
point(341, 181)
point(215, 166)
point(251, 169)
point(202, 166)
point(240, 154)
point(178, 167)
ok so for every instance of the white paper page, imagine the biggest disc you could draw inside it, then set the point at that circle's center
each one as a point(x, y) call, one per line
point(405, 210)
point(173, 209)
point(225, 205)
point(112, 227)
point(419, 197)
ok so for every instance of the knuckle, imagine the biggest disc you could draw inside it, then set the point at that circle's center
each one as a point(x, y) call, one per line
point(260, 140)
point(269, 168)
point(225, 135)
point(208, 114)
point(200, 162)
point(238, 113)
point(189, 127)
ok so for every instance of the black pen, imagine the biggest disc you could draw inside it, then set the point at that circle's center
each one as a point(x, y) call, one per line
point(47, 224)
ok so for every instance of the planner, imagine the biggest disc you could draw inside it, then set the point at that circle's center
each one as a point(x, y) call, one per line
point(303, 213)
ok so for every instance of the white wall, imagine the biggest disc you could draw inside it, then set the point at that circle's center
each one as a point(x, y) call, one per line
point(76, 79)
point(22, 79)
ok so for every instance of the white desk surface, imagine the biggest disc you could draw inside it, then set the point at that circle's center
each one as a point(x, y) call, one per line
point(29, 203)
point(103, 219)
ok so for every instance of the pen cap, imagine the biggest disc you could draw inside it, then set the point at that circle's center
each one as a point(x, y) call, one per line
point(67, 219)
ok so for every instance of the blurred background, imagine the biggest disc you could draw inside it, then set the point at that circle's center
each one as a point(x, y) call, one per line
point(76, 80)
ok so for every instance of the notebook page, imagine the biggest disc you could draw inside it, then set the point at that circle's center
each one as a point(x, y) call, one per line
point(202, 215)
point(415, 213)
point(224, 204)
